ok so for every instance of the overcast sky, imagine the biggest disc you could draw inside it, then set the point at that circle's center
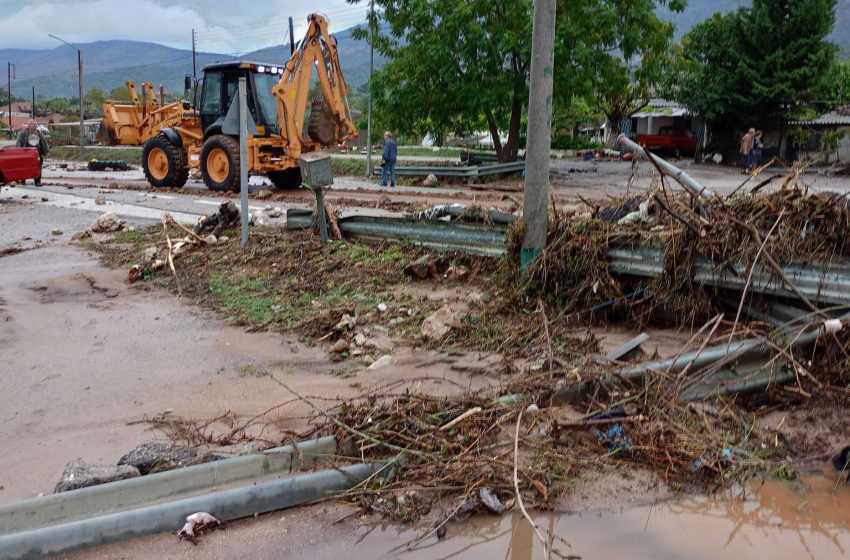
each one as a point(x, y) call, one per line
point(223, 26)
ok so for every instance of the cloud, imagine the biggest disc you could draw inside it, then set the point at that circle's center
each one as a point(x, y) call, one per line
point(221, 25)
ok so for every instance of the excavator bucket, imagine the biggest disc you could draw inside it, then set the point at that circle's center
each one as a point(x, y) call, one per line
point(323, 126)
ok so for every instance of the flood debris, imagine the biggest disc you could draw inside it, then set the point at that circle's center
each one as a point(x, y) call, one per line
point(197, 524)
point(107, 223)
point(212, 225)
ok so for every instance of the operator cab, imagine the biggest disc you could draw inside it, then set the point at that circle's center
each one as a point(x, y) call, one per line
point(216, 95)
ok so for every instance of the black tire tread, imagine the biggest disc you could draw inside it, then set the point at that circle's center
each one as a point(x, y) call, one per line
point(178, 172)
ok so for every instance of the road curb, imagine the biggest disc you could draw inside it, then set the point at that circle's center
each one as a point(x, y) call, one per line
point(170, 516)
point(121, 495)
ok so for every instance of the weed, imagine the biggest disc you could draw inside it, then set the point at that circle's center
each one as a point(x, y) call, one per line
point(247, 370)
point(134, 237)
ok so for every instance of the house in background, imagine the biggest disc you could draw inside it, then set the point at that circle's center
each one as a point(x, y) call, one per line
point(825, 139)
point(661, 115)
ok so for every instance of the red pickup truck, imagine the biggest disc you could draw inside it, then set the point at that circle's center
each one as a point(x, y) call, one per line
point(18, 164)
point(673, 139)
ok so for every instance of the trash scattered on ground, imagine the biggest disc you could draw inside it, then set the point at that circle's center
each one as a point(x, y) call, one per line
point(197, 524)
point(103, 165)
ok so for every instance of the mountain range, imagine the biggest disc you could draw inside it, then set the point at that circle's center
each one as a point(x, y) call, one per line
point(107, 64)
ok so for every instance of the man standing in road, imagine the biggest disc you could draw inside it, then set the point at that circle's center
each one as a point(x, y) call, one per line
point(746, 150)
point(31, 137)
point(388, 160)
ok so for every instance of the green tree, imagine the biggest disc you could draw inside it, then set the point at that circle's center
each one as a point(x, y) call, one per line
point(94, 101)
point(457, 66)
point(120, 94)
point(834, 87)
point(752, 67)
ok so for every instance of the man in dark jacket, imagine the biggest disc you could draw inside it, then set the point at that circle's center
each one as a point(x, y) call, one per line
point(31, 137)
point(388, 160)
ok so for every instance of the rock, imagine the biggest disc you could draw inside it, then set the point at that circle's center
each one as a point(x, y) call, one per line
point(79, 474)
point(237, 449)
point(150, 253)
point(157, 457)
point(440, 323)
point(80, 235)
point(223, 238)
point(258, 219)
point(423, 267)
point(264, 194)
point(275, 213)
point(56, 232)
point(382, 362)
point(113, 185)
point(346, 323)
point(106, 223)
point(100, 201)
point(371, 344)
point(396, 322)
point(457, 273)
point(359, 339)
point(210, 240)
point(382, 307)
point(430, 180)
point(44, 199)
point(340, 346)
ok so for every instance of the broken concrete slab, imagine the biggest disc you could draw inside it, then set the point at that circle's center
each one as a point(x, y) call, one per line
point(154, 457)
point(79, 474)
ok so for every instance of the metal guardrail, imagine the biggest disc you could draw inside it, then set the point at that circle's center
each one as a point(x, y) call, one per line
point(467, 172)
point(824, 283)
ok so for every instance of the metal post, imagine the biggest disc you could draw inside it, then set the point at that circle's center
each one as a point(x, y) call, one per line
point(371, 71)
point(11, 132)
point(161, 95)
point(33, 102)
point(320, 214)
point(536, 193)
point(243, 158)
point(82, 121)
point(291, 38)
point(194, 68)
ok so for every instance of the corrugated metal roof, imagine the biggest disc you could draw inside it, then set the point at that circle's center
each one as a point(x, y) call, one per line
point(827, 119)
point(653, 111)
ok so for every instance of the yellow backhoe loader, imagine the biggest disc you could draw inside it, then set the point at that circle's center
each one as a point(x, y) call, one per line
point(277, 104)
point(134, 123)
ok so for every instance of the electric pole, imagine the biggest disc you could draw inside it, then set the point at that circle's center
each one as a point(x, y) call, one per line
point(291, 37)
point(194, 68)
point(536, 192)
point(33, 103)
point(80, 70)
point(9, 68)
point(371, 71)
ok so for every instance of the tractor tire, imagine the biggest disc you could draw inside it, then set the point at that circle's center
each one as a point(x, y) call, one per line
point(220, 163)
point(286, 179)
point(165, 164)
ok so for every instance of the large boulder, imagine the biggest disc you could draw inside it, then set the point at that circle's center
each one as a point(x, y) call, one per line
point(154, 457)
point(79, 474)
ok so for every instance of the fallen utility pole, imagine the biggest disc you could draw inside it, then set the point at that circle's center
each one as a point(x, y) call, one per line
point(692, 185)
point(536, 194)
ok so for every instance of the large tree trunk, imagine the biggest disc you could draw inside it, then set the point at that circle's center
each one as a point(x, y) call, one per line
point(511, 149)
point(494, 133)
point(614, 120)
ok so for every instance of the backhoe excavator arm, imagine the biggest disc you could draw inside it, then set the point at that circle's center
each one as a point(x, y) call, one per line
point(317, 50)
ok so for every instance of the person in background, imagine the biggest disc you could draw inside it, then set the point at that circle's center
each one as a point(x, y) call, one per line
point(388, 160)
point(31, 137)
point(747, 149)
point(758, 146)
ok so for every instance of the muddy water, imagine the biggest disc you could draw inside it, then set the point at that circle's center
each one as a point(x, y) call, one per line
point(783, 520)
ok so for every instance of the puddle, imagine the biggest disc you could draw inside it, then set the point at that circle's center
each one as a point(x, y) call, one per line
point(799, 520)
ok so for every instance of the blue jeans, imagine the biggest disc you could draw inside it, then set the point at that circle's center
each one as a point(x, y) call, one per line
point(388, 167)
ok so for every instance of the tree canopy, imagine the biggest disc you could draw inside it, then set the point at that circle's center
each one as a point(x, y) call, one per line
point(751, 67)
point(455, 67)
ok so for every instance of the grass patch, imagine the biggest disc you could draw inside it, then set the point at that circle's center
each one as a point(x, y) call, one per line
point(130, 236)
point(247, 370)
point(423, 151)
point(348, 167)
point(132, 155)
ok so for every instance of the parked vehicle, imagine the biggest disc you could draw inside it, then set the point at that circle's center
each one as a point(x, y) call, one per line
point(674, 139)
point(18, 164)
